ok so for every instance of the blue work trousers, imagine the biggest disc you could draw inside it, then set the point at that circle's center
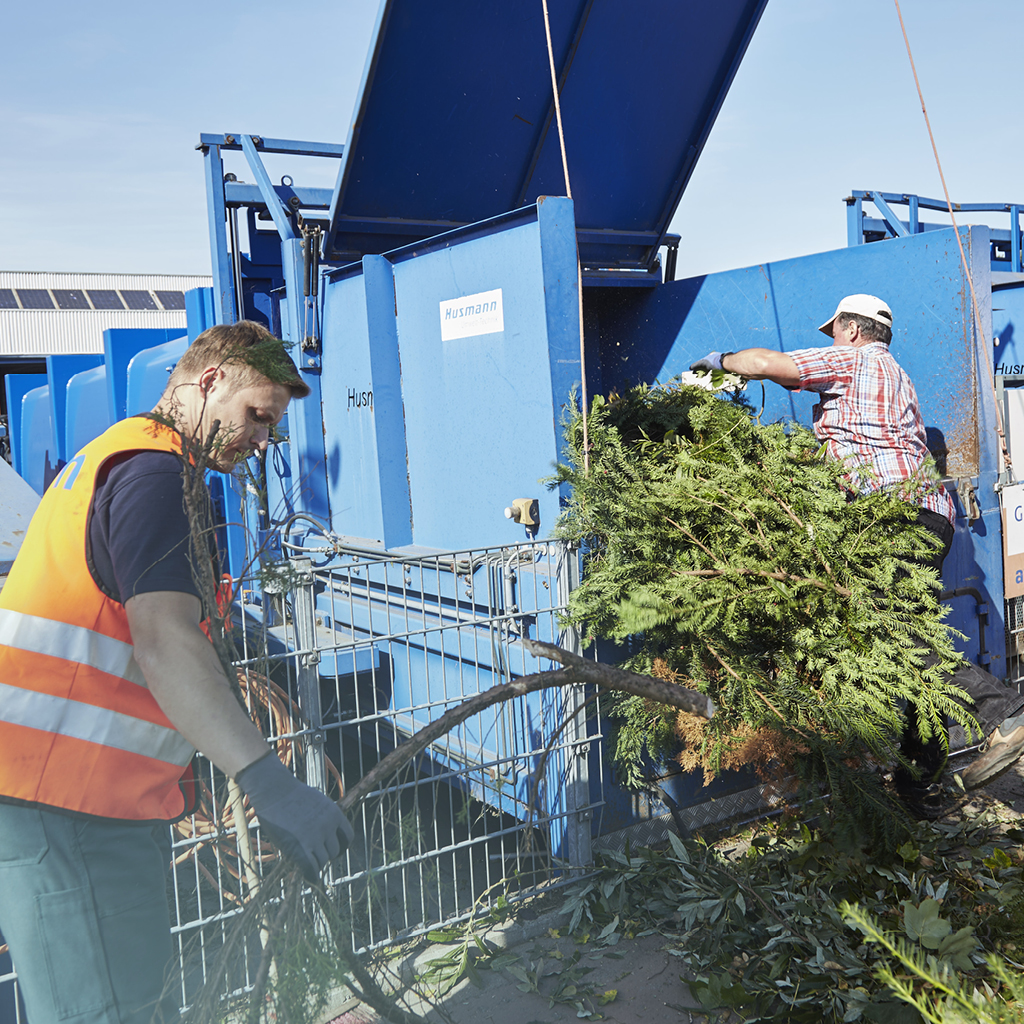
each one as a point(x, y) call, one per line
point(83, 906)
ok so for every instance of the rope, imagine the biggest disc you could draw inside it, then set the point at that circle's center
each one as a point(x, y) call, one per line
point(963, 258)
point(579, 269)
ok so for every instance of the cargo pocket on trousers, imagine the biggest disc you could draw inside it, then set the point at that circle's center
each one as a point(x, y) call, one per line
point(75, 958)
point(24, 844)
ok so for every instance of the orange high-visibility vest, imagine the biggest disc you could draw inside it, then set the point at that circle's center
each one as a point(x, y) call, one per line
point(79, 730)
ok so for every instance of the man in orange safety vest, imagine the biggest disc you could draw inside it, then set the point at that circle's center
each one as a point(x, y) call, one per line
point(108, 686)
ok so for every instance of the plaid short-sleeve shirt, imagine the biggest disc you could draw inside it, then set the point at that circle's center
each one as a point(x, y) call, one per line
point(868, 415)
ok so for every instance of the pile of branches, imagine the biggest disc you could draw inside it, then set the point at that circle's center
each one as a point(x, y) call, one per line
point(728, 557)
point(782, 925)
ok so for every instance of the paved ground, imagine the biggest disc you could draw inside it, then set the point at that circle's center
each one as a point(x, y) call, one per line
point(646, 978)
point(639, 979)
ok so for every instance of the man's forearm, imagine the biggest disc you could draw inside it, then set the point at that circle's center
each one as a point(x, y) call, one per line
point(763, 364)
point(186, 679)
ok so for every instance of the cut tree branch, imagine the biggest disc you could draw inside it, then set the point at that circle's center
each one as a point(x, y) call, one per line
point(784, 577)
point(575, 670)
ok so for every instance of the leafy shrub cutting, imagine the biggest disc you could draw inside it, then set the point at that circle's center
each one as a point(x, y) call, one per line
point(726, 556)
point(783, 925)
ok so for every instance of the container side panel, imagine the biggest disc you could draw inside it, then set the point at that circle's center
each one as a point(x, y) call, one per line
point(473, 336)
point(148, 373)
point(386, 402)
point(120, 345)
point(350, 408)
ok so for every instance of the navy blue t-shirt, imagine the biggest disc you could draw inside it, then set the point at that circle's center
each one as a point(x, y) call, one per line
point(138, 527)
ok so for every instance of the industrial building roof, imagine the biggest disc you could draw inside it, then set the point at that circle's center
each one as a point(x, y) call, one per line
point(44, 313)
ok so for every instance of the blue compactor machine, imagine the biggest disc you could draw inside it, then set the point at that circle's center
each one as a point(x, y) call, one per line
point(434, 301)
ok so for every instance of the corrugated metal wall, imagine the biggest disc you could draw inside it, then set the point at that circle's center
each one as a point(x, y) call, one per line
point(41, 332)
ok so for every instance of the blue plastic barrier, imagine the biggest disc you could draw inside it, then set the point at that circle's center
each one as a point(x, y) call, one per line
point(36, 439)
point(60, 370)
point(147, 375)
point(120, 346)
point(16, 386)
point(88, 414)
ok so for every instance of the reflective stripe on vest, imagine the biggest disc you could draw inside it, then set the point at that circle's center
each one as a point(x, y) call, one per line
point(71, 718)
point(72, 643)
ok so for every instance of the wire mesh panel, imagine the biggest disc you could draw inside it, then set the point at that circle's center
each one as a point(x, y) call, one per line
point(11, 1007)
point(341, 665)
point(1015, 639)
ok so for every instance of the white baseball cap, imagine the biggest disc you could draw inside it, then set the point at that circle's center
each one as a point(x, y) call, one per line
point(861, 305)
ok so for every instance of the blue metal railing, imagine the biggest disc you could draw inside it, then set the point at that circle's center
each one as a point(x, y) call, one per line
point(1006, 242)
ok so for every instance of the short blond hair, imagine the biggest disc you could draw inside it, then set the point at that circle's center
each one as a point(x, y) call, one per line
point(247, 350)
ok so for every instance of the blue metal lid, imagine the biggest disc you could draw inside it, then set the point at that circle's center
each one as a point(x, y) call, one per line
point(455, 121)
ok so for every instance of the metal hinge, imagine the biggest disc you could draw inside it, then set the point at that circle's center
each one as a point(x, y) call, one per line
point(969, 498)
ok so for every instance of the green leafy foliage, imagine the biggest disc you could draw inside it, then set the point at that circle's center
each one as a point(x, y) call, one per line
point(762, 925)
point(543, 970)
point(725, 555)
point(443, 972)
point(924, 925)
point(927, 985)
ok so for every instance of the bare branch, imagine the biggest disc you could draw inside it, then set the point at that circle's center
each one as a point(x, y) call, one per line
point(612, 678)
point(783, 577)
point(576, 670)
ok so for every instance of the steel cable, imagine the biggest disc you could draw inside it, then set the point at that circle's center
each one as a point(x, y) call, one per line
point(579, 268)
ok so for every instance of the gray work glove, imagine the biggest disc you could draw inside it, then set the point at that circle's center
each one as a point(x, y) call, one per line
point(301, 822)
point(712, 361)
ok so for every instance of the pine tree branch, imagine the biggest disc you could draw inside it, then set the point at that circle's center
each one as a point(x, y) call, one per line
point(783, 577)
point(682, 529)
point(760, 538)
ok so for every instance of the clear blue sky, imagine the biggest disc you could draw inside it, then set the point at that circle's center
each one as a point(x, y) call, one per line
point(102, 105)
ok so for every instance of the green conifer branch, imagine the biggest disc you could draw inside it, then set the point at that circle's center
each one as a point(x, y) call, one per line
point(725, 555)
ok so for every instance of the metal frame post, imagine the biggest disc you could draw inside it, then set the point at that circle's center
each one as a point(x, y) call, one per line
point(579, 852)
point(894, 224)
point(854, 221)
point(1015, 263)
point(277, 210)
point(307, 675)
point(305, 418)
point(224, 300)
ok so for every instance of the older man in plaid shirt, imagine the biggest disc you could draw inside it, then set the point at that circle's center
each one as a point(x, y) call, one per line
point(868, 416)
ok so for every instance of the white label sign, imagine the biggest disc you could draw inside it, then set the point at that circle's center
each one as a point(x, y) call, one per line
point(1013, 502)
point(471, 315)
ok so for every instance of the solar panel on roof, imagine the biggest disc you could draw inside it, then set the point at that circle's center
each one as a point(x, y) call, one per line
point(7, 299)
point(138, 300)
point(106, 299)
point(35, 298)
point(171, 300)
point(70, 298)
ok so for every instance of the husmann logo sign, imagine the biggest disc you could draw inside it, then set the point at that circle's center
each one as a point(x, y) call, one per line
point(471, 315)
